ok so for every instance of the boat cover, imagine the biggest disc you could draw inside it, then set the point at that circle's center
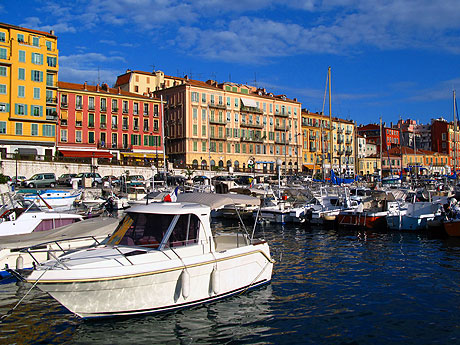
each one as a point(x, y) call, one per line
point(96, 227)
point(215, 201)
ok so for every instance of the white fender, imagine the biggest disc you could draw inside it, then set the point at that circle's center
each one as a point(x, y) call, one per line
point(215, 280)
point(19, 262)
point(185, 283)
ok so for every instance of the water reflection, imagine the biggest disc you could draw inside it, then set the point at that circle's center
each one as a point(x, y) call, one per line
point(329, 286)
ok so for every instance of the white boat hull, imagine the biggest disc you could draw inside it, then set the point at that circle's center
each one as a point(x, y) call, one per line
point(137, 289)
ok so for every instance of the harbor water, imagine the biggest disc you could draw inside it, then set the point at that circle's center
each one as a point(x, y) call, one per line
point(329, 287)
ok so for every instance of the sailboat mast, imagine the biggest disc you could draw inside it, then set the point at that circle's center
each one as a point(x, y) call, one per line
point(330, 118)
point(381, 144)
point(455, 136)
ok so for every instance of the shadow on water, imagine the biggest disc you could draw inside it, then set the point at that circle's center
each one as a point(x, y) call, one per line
point(329, 286)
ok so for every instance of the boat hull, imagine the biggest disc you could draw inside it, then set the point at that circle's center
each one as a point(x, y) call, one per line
point(363, 220)
point(138, 291)
point(452, 228)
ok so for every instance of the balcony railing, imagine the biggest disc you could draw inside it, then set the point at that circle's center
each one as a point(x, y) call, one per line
point(217, 122)
point(281, 114)
point(103, 126)
point(280, 141)
point(251, 110)
point(252, 125)
point(114, 126)
point(103, 109)
point(64, 104)
point(216, 137)
point(280, 128)
point(253, 140)
point(114, 110)
point(217, 106)
point(51, 100)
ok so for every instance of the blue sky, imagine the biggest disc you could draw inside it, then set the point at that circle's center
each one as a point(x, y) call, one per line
point(388, 58)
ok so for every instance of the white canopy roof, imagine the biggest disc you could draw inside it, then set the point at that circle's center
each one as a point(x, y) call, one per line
point(249, 102)
point(215, 201)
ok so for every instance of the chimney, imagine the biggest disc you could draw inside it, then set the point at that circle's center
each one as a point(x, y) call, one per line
point(52, 32)
point(119, 90)
point(98, 88)
point(85, 86)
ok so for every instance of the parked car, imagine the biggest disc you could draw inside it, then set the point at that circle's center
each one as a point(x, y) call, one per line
point(113, 179)
point(65, 179)
point(19, 181)
point(201, 179)
point(135, 180)
point(95, 178)
point(40, 180)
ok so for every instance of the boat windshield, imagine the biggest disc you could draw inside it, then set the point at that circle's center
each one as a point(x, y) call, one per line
point(156, 230)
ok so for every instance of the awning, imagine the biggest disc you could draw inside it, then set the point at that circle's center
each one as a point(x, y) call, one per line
point(215, 201)
point(142, 155)
point(86, 154)
point(249, 102)
point(265, 162)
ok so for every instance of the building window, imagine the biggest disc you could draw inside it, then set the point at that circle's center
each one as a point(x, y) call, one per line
point(114, 140)
point(79, 102)
point(146, 125)
point(37, 75)
point(146, 108)
point(125, 123)
point(63, 100)
point(203, 97)
point(155, 110)
point(2, 127)
point(37, 59)
point(3, 53)
point(195, 146)
point(48, 45)
point(36, 93)
point(114, 122)
point(91, 103)
point(18, 128)
point(203, 130)
point(155, 125)
point(2, 37)
point(2, 71)
point(114, 105)
point(125, 107)
point(195, 130)
point(20, 109)
point(195, 113)
point(21, 56)
point(4, 107)
point(64, 135)
point(195, 96)
point(91, 120)
point(35, 41)
point(136, 108)
point(21, 74)
point(78, 136)
point(103, 104)
point(91, 137)
point(3, 89)
point(36, 110)
point(34, 129)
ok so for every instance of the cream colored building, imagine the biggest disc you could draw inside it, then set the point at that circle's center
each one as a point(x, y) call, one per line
point(343, 146)
point(316, 135)
point(226, 126)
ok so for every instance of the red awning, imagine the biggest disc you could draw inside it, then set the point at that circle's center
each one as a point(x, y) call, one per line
point(86, 154)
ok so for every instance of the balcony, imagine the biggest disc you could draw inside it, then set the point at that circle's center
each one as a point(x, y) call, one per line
point(251, 125)
point(253, 140)
point(349, 151)
point(339, 130)
point(114, 126)
point(51, 100)
point(312, 148)
point(103, 126)
point(91, 125)
point(280, 128)
point(281, 114)
point(217, 106)
point(216, 137)
point(64, 104)
point(63, 122)
point(104, 109)
point(255, 110)
point(52, 117)
point(136, 128)
point(114, 110)
point(280, 141)
point(217, 122)
point(78, 123)
point(348, 132)
point(125, 127)
point(101, 144)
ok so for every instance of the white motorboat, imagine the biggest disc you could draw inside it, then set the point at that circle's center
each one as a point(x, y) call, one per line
point(54, 198)
point(72, 236)
point(162, 256)
point(415, 216)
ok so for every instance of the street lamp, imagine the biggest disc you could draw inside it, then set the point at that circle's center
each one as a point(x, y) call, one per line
point(16, 154)
point(278, 165)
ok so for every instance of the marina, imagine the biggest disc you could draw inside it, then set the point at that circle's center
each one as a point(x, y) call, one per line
point(328, 287)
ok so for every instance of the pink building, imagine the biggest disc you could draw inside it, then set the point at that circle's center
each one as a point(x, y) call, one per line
point(102, 122)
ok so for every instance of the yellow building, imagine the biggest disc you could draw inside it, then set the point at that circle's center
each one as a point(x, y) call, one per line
point(315, 136)
point(28, 90)
point(225, 126)
point(369, 165)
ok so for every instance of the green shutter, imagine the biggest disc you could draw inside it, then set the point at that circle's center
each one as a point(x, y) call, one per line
point(25, 109)
point(16, 108)
point(41, 110)
point(151, 140)
point(132, 139)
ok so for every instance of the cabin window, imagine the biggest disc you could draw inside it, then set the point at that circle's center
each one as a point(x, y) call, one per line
point(157, 230)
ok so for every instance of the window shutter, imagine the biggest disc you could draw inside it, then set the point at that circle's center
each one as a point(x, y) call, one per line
point(132, 139)
point(16, 110)
point(41, 110)
point(7, 107)
point(41, 76)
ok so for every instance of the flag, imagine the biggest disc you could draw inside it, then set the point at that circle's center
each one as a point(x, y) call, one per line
point(252, 183)
point(171, 197)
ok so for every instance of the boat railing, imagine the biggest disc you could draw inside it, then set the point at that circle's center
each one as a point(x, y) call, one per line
point(43, 247)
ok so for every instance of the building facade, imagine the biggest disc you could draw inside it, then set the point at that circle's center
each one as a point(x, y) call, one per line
point(229, 126)
point(102, 122)
point(28, 90)
point(316, 135)
point(343, 146)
